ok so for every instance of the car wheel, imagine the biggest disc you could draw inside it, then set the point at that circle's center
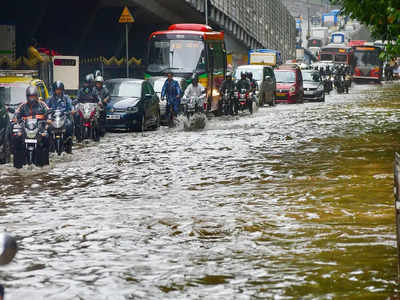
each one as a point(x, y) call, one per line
point(158, 121)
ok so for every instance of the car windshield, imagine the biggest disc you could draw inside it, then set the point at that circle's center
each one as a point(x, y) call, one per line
point(285, 76)
point(12, 93)
point(257, 73)
point(176, 56)
point(311, 76)
point(125, 89)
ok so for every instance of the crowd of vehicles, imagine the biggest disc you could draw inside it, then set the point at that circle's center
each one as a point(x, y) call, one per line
point(186, 74)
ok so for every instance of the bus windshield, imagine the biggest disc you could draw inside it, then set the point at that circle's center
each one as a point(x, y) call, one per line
point(326, 57)
point(367, 58)
point(182, 56)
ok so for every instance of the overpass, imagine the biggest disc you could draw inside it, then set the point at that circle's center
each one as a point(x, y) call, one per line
point(91, 28)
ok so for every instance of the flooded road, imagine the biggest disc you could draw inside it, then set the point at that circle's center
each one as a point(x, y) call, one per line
point(293, 202)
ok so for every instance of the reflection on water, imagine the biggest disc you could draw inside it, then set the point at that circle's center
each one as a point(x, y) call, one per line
point(291, 202)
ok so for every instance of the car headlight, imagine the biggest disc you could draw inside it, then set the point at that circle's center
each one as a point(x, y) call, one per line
point(320, 88)
point(292, 89)
point(132, 109)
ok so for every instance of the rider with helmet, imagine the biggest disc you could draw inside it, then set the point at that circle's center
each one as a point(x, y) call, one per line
point(85, 94)
point(243, 83)
point(103, 96)
point(228, 84)
point(33, 108)
point(253, 82)
point(61, 101)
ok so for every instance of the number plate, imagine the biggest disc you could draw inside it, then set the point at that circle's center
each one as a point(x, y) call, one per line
point(30, 141)
point(113, 117)
point(281, 94)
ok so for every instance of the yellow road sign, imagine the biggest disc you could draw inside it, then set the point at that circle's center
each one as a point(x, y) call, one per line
point(126, 16)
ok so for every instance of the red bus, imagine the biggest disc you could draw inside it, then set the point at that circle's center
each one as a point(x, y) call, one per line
point(367, 64)
point(354, 43)
point(336, 53)
point(185, 49)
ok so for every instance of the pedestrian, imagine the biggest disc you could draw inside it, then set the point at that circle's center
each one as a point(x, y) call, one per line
point(33, 53)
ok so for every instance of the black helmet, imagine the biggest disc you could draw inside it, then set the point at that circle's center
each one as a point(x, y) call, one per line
point(31, 91)
point(250, 75)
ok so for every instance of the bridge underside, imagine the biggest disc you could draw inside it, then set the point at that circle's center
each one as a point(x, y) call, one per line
point(90, 28)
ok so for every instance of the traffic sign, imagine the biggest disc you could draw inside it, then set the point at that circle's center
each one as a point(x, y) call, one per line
point(126, 16)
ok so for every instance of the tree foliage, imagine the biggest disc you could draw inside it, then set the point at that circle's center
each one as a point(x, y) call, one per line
point(381, 16)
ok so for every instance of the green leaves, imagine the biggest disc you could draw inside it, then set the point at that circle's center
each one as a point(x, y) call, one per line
point(381, 16)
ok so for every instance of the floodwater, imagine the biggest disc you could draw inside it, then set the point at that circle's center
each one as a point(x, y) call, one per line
point(295, 201)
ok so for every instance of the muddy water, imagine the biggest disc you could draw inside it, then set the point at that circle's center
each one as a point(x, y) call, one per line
point(293, 202)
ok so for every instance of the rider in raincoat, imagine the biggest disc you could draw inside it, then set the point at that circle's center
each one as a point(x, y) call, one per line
point(172, 91)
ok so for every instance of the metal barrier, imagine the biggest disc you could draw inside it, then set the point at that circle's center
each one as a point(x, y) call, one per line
point(397, 207)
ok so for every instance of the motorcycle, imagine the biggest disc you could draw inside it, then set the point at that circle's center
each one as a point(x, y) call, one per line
point(328, 85)
point(193, 105)
point(339, 83)
point(227, 102)
point(347, 83)
point(58, 132)
point(89, 126)
point(243, 101)
point(8, 249)
point(30, 145)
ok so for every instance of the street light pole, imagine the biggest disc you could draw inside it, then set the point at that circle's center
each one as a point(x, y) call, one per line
point(206, 10)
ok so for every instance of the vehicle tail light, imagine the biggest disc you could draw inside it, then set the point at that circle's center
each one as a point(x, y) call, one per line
point(357, 72)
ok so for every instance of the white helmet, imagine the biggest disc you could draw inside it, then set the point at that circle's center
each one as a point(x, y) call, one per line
point(99, 79)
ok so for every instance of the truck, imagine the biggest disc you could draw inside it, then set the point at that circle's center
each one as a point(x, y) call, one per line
point(7, 41)
point(320, 33)
point(331, 18)
point(264, 57)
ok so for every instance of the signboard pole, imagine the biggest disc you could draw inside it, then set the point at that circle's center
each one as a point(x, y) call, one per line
point(127, 50)
point(126, 17)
